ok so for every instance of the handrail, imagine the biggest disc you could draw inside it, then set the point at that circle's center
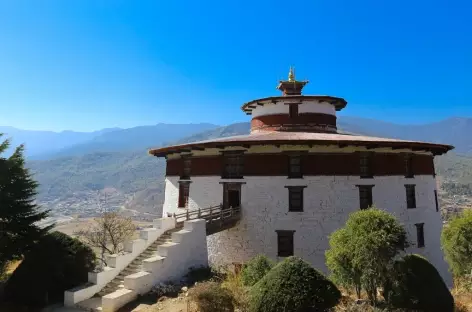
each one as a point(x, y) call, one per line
point(210, 213)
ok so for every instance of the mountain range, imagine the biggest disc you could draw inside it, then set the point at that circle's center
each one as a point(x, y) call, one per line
point(78, 171)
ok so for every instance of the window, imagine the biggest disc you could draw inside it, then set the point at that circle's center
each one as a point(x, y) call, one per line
point(295, 198)
point(419, 235)
point(410, 196)
point(184, 188)
point(366, 165)
point(187, 167)
point(293, 110)
point(295, 167)
point(408, 166)
point(233, 165)
point(365, 196)
point(285, 243)
point(436, 200)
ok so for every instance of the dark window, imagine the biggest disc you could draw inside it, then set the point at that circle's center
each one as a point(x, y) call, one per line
point(233, 165)
point(408, 166)
point(366, 165)
point(436, 200)
point(187, 166)
point(420, 234)
point(295, 167)
point(285, 243)
point(295, 198)
point(184, 188)
point(293, 110)
point(365, 196)
point(410, 196)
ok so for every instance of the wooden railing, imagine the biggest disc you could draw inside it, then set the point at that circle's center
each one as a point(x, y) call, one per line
point(217, 217)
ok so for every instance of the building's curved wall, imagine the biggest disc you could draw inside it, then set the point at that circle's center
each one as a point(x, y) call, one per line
point(304, 107)
point(303, 121)
point(328, 200)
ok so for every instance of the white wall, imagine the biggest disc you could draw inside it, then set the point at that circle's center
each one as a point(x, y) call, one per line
point(305, 107)
point(327, 203)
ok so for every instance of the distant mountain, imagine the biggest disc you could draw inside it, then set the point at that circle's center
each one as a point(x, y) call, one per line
point(70, 143)
point(453, 131)
point(40, 142)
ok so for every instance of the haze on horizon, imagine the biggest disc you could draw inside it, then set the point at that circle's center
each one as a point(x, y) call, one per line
point(88, 65)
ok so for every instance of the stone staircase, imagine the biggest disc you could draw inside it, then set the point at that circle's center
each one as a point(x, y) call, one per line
point(137, 264)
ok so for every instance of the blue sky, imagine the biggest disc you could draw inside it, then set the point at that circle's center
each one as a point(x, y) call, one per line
point(84, 65)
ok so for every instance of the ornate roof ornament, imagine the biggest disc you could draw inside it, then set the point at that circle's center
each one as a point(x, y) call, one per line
point(291, 86)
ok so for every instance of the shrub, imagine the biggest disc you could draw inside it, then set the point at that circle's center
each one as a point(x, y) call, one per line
point(57, 263)
point(362, 253)
point(255, 269)
point(455, 241)
point(211, 297)
point(199, 274)
point(417, 285)
point(293, 286)
point(233, 282)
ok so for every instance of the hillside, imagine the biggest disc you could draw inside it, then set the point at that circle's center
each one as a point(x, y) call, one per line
point(40, 142)
point(134, 180)
point(130, 139)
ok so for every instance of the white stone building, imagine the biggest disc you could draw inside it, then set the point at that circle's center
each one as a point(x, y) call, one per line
point(297, 180)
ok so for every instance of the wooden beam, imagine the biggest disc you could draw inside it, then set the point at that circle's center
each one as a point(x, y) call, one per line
point(198, 148)
point(260, 104)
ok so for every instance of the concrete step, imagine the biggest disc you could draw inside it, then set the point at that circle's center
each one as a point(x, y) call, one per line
point(91, 304)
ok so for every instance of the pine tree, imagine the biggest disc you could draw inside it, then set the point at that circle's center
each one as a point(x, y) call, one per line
point(19, 213)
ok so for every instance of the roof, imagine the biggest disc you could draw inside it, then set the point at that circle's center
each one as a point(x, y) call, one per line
point(304, 138)
point(339, 103)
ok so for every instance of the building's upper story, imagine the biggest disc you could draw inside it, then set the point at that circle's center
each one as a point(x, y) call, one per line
point(297, 128)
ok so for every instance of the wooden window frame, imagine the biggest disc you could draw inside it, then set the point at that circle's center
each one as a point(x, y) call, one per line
point(187, 166)
point(410, 191)
point(184, 193)
point(365, 203)
point(366, 165)
point(408, 159)
point(234, 160)
point(293, 110)
point(291, 192)
point(285, 236)
point(420, 241)
point(291, 173)
point(436, 200)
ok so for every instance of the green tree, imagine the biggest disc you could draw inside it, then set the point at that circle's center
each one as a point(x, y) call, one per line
point(56, 263)
point(293, 285)
point(362, 253)
point(19, 213)
point(456, 241)
point(339, 260)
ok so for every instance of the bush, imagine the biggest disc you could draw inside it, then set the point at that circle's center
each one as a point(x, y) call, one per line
point(233, 282)
point(57, 263)
point(455, 241)
point(211, 297)
point(255, 269)
point(362, 253)
point(293, 286)
point(417, 285)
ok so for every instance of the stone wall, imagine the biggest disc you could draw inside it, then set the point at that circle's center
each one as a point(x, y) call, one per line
point(328, 201)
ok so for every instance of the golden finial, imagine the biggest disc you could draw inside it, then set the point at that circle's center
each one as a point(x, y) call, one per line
point(291, 74)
